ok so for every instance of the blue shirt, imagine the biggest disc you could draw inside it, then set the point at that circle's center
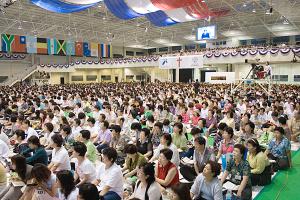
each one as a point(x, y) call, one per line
point(280, 149)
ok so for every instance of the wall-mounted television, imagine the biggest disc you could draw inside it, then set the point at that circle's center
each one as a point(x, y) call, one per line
point(206, 33)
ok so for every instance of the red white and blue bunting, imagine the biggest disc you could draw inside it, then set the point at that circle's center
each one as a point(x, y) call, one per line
point(252, 52)
point(108, 62)
point(7, 56)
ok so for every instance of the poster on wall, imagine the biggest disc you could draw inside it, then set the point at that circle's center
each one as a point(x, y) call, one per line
point(219, 77)
point(181, 62)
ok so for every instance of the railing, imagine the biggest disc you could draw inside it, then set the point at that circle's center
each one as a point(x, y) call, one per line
point(21, 75)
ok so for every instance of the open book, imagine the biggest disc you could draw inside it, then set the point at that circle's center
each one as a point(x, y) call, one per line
point(187, 160)
point(230, 186)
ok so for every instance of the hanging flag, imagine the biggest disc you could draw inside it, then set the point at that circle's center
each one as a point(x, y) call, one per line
point(42, 47)
point(94, 49)
point(105, 50)
point(7, 41)
point(86, 49)
point(50, 46)
point(19, 44)
point(78, 48)
point(31, 44)
point(60, 47)
point(70, 48)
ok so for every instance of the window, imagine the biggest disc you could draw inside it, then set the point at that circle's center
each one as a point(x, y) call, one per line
point(163, 49)
point(283, 78)
point(77, 78)
point(176, 48)
point(190, 47)
point(283, 39)
point(139, 53)
point(150, 51)
point(202, 45)
point(258, 41)
point(243, 42)
point(297, 38)
point(91, 77)
point(105, 78)
point(118, 56)
point(129, 53)
point(129, 77)
point(297, 78)
point(139, 77)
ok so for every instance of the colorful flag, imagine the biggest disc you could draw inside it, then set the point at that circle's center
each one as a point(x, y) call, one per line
point(78, 48)
point(105, 50)
point(86, 49)
point(70, 48)
point(7, 41)
point(19, 44)
point(60, 47)
point(50, 46)
point(94, 49)
point(31, 44)
point(42, 47)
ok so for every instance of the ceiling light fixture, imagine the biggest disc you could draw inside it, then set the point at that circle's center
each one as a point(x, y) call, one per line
point(254, 11)
point(286, 22)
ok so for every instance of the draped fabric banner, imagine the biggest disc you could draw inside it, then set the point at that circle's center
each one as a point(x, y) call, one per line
point(141, 6)
point(60, 6)
point(160, 19)
point(179, 15)
point(120, 9)
point(82, 2)
point(159, 12)
point(182, 62)
point(172, 4)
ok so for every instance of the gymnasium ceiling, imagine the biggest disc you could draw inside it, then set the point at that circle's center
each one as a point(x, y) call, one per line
point(246, 20)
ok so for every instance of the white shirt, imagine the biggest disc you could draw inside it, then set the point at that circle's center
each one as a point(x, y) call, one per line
point(86, 168)
point(4, 138)
point(204, 113)
point(4, 150)
point(100, 169)
point(75, 131)
point(30, 132)
point(72, 196)
point(242, 108)
point(113, 178)
point(62, 158)
point(153, 192)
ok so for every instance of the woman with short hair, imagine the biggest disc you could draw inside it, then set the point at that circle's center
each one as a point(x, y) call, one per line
point(166, 172)
point(259, 163)
point(207, 185)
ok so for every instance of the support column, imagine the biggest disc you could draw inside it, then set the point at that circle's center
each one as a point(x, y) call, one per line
point(177, 74)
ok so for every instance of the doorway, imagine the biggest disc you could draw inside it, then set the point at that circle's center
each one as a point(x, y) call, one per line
point(116, 79)
point(185, 75)
point(62, 80)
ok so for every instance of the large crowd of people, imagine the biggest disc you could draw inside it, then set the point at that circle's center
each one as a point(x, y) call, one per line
point(147, 141)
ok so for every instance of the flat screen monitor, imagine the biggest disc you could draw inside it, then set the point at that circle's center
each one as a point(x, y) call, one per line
point(206, 33)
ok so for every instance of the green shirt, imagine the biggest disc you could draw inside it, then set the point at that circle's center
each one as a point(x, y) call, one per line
point(131, 164)
point(91, 153)
point(180, 141)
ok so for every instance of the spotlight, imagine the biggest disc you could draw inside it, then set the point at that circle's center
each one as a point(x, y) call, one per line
point(254, 11)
